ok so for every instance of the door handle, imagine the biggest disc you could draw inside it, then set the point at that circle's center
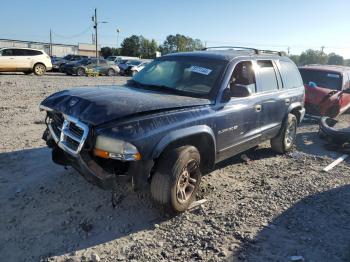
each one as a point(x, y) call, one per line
point(287, 102)
point(258, 108)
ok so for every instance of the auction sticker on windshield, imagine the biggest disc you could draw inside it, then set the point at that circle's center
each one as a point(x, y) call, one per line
point(200, 70)
point(333, 75)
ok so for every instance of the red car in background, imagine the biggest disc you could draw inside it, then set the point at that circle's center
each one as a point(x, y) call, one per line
point(327, 89)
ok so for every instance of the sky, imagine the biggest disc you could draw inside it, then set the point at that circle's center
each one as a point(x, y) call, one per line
point(265, 24)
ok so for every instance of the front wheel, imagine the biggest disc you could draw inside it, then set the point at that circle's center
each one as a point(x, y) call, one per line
point(81, 71)
point(39, 69)
point(111, 72)
point(285, 141)
point(177, 178)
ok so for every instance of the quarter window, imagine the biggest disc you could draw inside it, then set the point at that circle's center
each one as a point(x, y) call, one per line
point(267, 74)
point(290, 74)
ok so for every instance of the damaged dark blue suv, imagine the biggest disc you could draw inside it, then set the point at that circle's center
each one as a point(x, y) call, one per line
point(175, 119)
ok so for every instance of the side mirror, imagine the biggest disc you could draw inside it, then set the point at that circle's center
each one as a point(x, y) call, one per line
point(238, 90)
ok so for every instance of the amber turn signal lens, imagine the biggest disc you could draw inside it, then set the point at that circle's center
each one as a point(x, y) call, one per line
point(137, 156)
point(101, 153)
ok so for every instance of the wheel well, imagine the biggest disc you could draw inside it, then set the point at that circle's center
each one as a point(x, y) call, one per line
point(205, 145)
point(38, 63)
point(296, 112)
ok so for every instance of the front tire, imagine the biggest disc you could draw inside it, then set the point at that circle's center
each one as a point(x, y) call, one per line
point(284, 142)
point(177, 178)
point(111, 72)
point(39, 69)
point(80, 71)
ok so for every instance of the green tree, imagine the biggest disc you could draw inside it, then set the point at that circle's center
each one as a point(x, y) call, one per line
point(139, 46)
point(148, 48)
point(311, 56)
point(180, 43)
point(334, 59)
point(131, 46)
point(106, 51)
point(295, 59)
point(347, 62)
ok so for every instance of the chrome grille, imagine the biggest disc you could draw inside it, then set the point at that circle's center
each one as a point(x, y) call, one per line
point(69, 134)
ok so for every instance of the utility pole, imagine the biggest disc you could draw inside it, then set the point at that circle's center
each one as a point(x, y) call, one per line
point(118, 31)
point(50, 42)
point(94, 19)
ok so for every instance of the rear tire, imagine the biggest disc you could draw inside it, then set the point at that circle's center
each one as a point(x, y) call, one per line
point(284, 142)
point(177, 178)
point(39, 69)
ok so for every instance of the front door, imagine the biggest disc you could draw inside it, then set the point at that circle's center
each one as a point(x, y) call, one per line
point(238, 121)
point(7, 61)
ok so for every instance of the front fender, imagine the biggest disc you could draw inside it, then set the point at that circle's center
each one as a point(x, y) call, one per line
point(182, 133)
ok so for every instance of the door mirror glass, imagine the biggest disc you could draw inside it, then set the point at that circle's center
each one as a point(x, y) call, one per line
point(237, 90)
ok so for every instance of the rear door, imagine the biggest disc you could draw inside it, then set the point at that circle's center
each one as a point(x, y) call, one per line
point(272, 98)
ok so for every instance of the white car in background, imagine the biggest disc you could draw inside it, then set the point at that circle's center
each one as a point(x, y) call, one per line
point(24, 60)
point(119, 59)
point(137, 68)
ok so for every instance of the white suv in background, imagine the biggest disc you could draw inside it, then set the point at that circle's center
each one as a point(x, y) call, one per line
point(24, 60)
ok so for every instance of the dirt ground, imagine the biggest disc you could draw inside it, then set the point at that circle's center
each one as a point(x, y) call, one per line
point(273, 208)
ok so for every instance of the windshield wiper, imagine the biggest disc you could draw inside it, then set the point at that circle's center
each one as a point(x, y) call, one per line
point(161, 88)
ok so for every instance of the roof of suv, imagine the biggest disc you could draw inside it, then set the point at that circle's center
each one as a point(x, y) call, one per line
point(227, 55)
point(334, 68)
point(24, 48)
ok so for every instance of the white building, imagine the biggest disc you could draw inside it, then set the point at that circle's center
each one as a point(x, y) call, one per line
point(58, 50)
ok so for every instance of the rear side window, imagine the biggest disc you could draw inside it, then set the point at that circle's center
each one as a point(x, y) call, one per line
point(290, 75)
point(267, 75)
point(33, 52)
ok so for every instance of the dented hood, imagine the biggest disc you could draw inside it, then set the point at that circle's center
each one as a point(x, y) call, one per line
point(98, 105)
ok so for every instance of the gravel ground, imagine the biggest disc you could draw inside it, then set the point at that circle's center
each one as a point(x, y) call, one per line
point(271, 208)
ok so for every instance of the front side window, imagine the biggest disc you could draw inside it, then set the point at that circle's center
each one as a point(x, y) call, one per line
point(267, 75)
point(188, 75)
point(7, 52)
point(243, 74)
point(322, 78)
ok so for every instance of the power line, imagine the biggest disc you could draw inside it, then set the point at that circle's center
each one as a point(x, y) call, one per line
point(73, 36)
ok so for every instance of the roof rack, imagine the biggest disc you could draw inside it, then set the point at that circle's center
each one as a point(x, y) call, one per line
point(238, 48)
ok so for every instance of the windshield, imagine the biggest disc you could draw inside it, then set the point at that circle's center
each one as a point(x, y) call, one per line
point(184, 74)
point(324, 79)
point(111, 58)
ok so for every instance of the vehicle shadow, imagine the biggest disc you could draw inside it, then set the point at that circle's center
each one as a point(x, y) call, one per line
point(49, 211)
point(306, 229)
point(253, 154)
